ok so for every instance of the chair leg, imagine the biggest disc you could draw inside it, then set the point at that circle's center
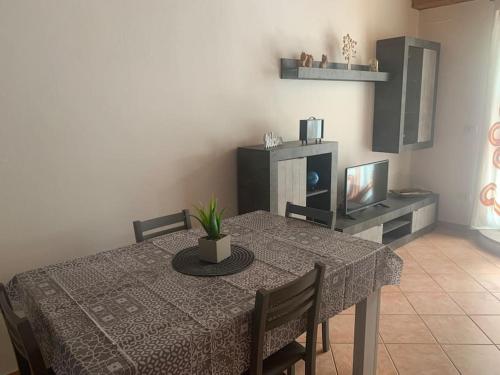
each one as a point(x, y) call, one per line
point(325, 334)
point(22, 364)
point(291, 370)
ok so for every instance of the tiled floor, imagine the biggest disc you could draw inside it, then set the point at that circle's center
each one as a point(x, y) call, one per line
point(444, 318)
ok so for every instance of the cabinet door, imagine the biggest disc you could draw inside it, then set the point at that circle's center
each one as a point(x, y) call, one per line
point(292, 180)
point(423, 217)
point(420, 92)
point(373, 234)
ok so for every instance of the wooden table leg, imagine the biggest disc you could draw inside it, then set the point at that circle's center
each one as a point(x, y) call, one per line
point(366, 335)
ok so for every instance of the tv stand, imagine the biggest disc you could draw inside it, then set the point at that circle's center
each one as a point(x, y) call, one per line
point(382, 205)
point(396, 221)
point(349, 217)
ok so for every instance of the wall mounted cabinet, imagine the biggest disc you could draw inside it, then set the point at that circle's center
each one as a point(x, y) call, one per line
point(405, 106)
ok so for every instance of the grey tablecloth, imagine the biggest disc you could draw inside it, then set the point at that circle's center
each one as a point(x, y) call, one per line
point(126, 311)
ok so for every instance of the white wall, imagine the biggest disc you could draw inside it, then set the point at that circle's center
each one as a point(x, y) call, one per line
point(449, 168)
point(116, 110)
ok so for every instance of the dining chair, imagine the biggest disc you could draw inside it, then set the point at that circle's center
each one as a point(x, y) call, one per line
point(144, 226)
point(320, 217)
point(28, 355)
point(324, 218)
point(279, 306)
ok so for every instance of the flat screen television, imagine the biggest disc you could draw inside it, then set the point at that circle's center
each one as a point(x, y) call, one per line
point(365, 185)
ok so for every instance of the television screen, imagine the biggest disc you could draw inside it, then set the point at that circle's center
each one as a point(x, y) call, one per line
point(365, 185)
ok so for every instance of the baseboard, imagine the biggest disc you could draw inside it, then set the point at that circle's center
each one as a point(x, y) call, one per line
point(457, 229)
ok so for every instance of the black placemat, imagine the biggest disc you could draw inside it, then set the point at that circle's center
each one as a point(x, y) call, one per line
point(188, 262)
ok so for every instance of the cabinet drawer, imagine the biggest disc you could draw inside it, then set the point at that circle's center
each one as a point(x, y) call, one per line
point(373, 234)
point(423, 217)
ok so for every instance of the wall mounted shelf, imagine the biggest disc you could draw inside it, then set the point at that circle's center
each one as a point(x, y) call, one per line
point(333, 72)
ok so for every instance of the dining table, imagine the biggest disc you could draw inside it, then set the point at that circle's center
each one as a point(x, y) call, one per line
point(127, 311)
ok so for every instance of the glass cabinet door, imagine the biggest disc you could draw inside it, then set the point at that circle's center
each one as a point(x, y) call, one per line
point(420, 89)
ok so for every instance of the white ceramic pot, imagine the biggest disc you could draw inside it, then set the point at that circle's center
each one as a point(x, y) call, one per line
point(215, 251)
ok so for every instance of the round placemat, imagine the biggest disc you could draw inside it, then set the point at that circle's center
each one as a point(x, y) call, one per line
point(188, 262)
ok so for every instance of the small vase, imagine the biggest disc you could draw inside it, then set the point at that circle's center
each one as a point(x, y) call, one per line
point(215, 251)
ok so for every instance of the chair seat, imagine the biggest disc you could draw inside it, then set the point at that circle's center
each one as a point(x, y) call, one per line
point(284, 358)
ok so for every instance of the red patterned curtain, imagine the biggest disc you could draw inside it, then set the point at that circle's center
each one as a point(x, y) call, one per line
point(486, 214)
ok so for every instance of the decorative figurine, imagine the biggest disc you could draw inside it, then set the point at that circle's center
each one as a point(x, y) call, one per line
point(324, 61)
point(306, 61)
point(373, 65)
point(349, 49)
point(312, 128)
point(312, 180)
point(309, 61)
point(271, 140)
point(303, 58)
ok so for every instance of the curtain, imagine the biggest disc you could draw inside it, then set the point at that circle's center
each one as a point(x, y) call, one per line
point(486, 212)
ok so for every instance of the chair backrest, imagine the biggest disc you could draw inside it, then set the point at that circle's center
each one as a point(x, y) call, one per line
point(313, 214)
point(28, 355)
point(143, 226)
point(281, 305)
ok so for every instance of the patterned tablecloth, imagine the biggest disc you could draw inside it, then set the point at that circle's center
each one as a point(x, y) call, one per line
point(126, 311)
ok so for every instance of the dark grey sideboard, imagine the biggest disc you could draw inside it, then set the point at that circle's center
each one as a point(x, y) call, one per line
point(268, 178)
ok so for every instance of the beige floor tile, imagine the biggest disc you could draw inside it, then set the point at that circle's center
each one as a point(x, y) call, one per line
point(342, 329)
point(418, 283)
point(458, 254)
point(422, 253)
point(410, 264)
point(395, 303)
point(474, 359)
point(477, 303)
point(420, 359)
point(439, 266)
point(490, 324)
point(390, 289)
point(479, 267)
point(489, 256)
point(455, 329)
point(433, 304)
point(350, 311)
point(324, 363)
point(404, 253)
point(412, 268)
point(458, 282)
point(489, 281)
point(342, 354)
point(404, 329)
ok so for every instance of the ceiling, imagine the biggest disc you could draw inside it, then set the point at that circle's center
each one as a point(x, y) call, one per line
point(426, 4)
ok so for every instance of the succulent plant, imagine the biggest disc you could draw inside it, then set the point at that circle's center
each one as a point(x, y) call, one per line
point(210, 219)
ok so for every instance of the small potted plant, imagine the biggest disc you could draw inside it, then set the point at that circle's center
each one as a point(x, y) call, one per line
point(215, 247)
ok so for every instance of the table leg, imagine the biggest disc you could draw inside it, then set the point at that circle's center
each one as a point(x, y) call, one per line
point(366, 335)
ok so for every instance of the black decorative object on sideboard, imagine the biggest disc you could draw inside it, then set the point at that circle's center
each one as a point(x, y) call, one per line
point(268, 178)
point(405, 106)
